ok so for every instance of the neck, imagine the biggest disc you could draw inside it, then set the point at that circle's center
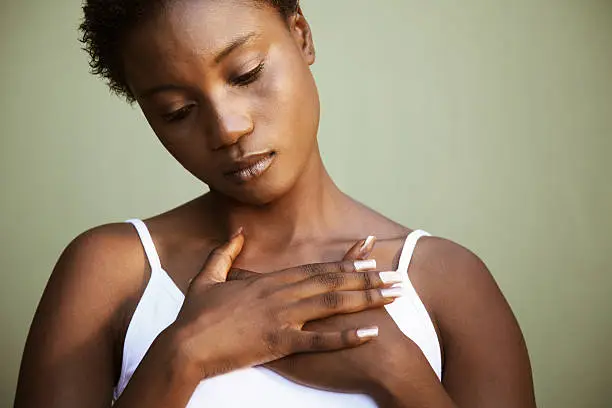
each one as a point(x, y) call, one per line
point(308, 211)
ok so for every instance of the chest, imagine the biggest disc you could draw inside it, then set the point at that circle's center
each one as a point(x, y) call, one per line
point(183, 261)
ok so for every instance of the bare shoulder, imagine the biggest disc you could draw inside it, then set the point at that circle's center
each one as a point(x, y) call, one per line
point(436, 252)
point(71, 354)
point(113, 253)
point(102, 255)
point(103, 240)
point(478, 330)
point(101, 273)
point(445, 269)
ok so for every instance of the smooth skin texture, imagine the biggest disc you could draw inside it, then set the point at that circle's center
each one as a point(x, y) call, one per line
point(211, 107)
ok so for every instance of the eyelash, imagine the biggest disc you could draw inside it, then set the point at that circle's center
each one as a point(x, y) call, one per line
point(178, 114)
point(248, 78)
point(243, 80)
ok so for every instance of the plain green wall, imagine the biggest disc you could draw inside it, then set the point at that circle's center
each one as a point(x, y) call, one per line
point(488, 122)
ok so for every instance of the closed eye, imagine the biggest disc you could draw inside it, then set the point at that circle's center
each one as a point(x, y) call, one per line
point(178, 114)
point(249, 77)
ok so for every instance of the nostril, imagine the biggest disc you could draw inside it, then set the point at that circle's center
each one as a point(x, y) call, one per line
point(232, 128)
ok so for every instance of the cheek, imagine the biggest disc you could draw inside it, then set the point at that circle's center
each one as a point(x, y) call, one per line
point(188, 146)
point(293, 104)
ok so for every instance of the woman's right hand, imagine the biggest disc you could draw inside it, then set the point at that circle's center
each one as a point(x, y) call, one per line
point(225, 326)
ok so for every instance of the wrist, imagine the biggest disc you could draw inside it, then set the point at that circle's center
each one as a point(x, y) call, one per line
point(195, 360)
point(416, 391)
point(406, 380)
point(163, 378)
point(179, 364)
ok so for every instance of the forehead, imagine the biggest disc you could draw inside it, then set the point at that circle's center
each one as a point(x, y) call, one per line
point(186, 36)
point(207, 25)
point(202, 27)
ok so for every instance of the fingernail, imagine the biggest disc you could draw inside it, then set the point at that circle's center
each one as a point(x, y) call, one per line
point(390, 277)
point(367, 243)
point(238, 232)
point(365, 265)
point(392, 292)
point(367, 332)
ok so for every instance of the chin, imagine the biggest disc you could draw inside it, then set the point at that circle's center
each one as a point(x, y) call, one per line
point(275, 183)
point(260, 192)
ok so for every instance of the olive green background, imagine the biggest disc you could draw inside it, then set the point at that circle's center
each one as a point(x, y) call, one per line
point(487, 122)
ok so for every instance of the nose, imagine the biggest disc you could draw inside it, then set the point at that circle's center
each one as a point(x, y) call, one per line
point(232, 125)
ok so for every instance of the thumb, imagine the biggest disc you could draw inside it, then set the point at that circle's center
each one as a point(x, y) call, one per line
point(219, 262)
point(361, 250)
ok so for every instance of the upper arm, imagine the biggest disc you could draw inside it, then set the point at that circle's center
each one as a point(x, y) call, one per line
point(485, 358)
point(69, 359)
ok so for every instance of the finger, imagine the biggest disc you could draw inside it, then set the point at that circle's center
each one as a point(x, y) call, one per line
point(342, 302)
point(361, 250)
point(220, 261)
point(302, 272)
point(354, 252)
point(338, 281)
point(240, 274)
point(305, 341)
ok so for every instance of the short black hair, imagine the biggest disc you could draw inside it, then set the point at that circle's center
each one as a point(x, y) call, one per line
point(106, 23)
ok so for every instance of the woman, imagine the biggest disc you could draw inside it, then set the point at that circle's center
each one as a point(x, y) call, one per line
point(256, 293)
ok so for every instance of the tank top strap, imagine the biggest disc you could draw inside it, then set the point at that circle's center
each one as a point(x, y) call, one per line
point(408, 249)
point(147, 244)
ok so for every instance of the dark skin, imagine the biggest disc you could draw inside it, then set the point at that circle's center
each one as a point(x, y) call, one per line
point(212, 109)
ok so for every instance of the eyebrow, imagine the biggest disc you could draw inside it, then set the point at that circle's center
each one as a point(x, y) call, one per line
point(231, 47)
point(235, 43)
point(161, 88)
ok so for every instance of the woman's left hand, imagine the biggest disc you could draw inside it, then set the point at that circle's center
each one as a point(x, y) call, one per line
point(385, 368)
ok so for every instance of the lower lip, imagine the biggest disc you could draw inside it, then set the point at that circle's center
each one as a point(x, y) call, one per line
point(252, 172)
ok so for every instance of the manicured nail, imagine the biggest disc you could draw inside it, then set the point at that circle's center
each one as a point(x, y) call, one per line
point(367, 332)
point(367, 243)
point(390, 277)
point(365, 265)
point(238, 232)
point(392, 293)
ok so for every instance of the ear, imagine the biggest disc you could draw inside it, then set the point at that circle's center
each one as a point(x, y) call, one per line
point(303, 35)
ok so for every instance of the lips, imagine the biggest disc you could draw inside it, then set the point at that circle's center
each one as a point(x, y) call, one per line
point(249, 167)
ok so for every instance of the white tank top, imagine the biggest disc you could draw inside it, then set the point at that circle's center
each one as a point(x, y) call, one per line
point(259, 386)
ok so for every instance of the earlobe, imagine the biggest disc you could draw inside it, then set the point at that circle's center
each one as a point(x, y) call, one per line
point(303, 36)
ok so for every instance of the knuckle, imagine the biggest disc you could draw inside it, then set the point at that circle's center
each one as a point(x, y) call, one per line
point(368, 297)
point(330, 280)
point(312, 269)
point(368, 282)
point(273, 342)
point(234, 274)
point(331, 300)
point(317, 341)
point(306, 269)
point(263, 291)
point(240, 274)
point(219, 256)
point(280, 341)
point(279, 316)
point(297, 343)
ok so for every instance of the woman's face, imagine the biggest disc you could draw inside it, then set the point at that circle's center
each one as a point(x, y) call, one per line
point(227, 88)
